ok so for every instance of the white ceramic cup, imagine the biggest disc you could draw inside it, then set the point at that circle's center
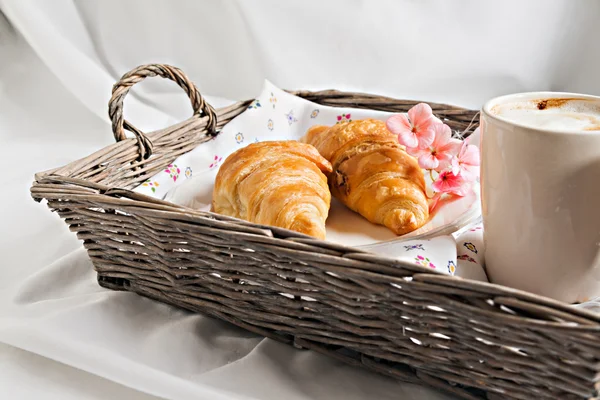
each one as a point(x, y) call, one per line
point(541, 204)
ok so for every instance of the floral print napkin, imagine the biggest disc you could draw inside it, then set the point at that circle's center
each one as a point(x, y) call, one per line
point(274, 115)
point(469, 253)
point(278, 115)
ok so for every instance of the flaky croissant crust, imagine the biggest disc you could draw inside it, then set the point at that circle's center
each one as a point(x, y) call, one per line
point(372, 173)
point(279, 183)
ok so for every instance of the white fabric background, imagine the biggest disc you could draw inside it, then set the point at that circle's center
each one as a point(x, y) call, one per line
point(62, 336)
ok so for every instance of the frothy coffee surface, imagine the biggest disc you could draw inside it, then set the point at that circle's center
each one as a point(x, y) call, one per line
point(555, 114)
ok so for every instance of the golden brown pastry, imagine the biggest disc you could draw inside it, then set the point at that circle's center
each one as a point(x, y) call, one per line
point(275, 183)
point(372, 174)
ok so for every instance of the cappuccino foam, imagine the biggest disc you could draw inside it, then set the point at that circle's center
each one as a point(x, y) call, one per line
point(555, 114)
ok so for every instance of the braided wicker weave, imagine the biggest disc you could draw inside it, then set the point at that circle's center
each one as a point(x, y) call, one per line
point(473, 339)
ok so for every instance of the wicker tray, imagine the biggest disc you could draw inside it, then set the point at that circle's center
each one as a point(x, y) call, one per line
point(473, 339)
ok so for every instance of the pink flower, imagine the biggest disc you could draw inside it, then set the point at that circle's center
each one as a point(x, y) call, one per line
point(448, 182)
point(440, 152)
point(466, 163)
point(414, 130)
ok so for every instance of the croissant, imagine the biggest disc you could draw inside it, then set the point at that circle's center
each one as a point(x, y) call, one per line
point(372, 173)
point(279, 183)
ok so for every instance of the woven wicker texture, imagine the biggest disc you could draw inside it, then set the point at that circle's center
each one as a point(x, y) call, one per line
point(473, 339)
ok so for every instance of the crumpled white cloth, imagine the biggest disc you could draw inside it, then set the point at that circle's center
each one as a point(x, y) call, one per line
point(63, 337)
point(54, 95)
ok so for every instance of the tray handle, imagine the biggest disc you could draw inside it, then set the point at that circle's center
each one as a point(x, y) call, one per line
point(121, 88)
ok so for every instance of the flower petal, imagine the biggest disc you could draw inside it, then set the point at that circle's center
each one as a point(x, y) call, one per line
point(442, 134)
point(408, 139)
point(420, 114)
point(447, 182)
point(447, 152)
point(425, 137)
point(439, 184)
point(471, 155)
point(469, 173)
point(452, 147)
point(443, 163)
point(398, 123)
point(417, 152)
point(455, 166)
point(428, 161)
point(434, 202)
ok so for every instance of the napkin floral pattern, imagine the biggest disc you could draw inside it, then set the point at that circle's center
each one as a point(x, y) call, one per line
point(469, 253)
point(438, 253)
point(274, 115)
point(278, 115)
